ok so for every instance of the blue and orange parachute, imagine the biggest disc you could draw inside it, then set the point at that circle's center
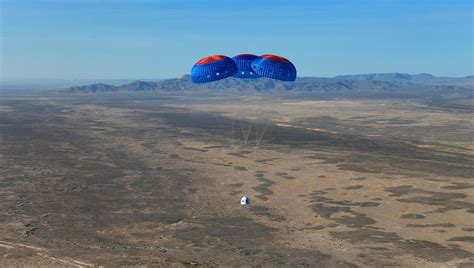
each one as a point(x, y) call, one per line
point(275, 67)
point(243, 62)
point(218, 67)
point(213, 68)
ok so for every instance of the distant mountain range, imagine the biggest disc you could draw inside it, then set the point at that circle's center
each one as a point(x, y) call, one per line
point(380, 82)
point(49, 84)
point(416, 78)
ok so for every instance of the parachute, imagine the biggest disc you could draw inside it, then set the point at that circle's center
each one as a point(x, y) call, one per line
point(244, 70)
point(213, 68)
point(275, 67)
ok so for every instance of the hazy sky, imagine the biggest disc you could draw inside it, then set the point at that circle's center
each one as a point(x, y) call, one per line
point(161, 39)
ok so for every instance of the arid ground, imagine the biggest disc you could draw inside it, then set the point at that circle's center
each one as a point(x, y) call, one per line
point(112, 180)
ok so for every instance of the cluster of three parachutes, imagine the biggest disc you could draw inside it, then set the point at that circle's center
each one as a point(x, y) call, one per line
point(242, 66)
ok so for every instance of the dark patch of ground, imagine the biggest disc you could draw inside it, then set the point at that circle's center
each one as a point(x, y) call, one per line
point(445, 201)
point(364, 232)
point(264, 187)
point(444, 225)
point(412, 216)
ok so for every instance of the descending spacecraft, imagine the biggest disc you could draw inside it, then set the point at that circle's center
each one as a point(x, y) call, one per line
point(245, 66)
point(218, 67)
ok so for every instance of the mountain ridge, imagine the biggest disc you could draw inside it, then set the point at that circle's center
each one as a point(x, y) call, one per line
point(377, 82)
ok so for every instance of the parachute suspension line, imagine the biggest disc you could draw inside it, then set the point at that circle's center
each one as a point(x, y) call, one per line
point(245, 132)
point(259, 135)
point(245, 125)
point(248, 127)
point(232, 143)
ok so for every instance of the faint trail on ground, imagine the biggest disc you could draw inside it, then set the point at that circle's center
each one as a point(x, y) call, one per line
point(45, 254)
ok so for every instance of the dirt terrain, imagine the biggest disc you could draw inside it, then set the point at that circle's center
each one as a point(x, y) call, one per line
point(116, 180)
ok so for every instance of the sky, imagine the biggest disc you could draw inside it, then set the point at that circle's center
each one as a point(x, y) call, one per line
point(144, 39)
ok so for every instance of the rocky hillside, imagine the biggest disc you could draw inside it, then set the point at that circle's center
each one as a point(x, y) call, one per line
point(394, 82)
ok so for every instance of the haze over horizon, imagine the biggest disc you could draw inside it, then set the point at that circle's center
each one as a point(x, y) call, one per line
point(93, 40)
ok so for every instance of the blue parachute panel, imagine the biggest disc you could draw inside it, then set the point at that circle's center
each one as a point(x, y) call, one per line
point(275, 67)
point(213, 68)
point(243, 62)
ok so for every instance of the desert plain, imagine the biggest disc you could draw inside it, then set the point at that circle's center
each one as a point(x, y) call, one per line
point(155, 180)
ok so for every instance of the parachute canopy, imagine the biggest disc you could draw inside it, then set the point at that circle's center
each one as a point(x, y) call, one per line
point(275, 67)
point(243, 62)
point(213, 68)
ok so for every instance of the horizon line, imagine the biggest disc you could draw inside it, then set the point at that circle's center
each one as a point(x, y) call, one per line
point(142, 78)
